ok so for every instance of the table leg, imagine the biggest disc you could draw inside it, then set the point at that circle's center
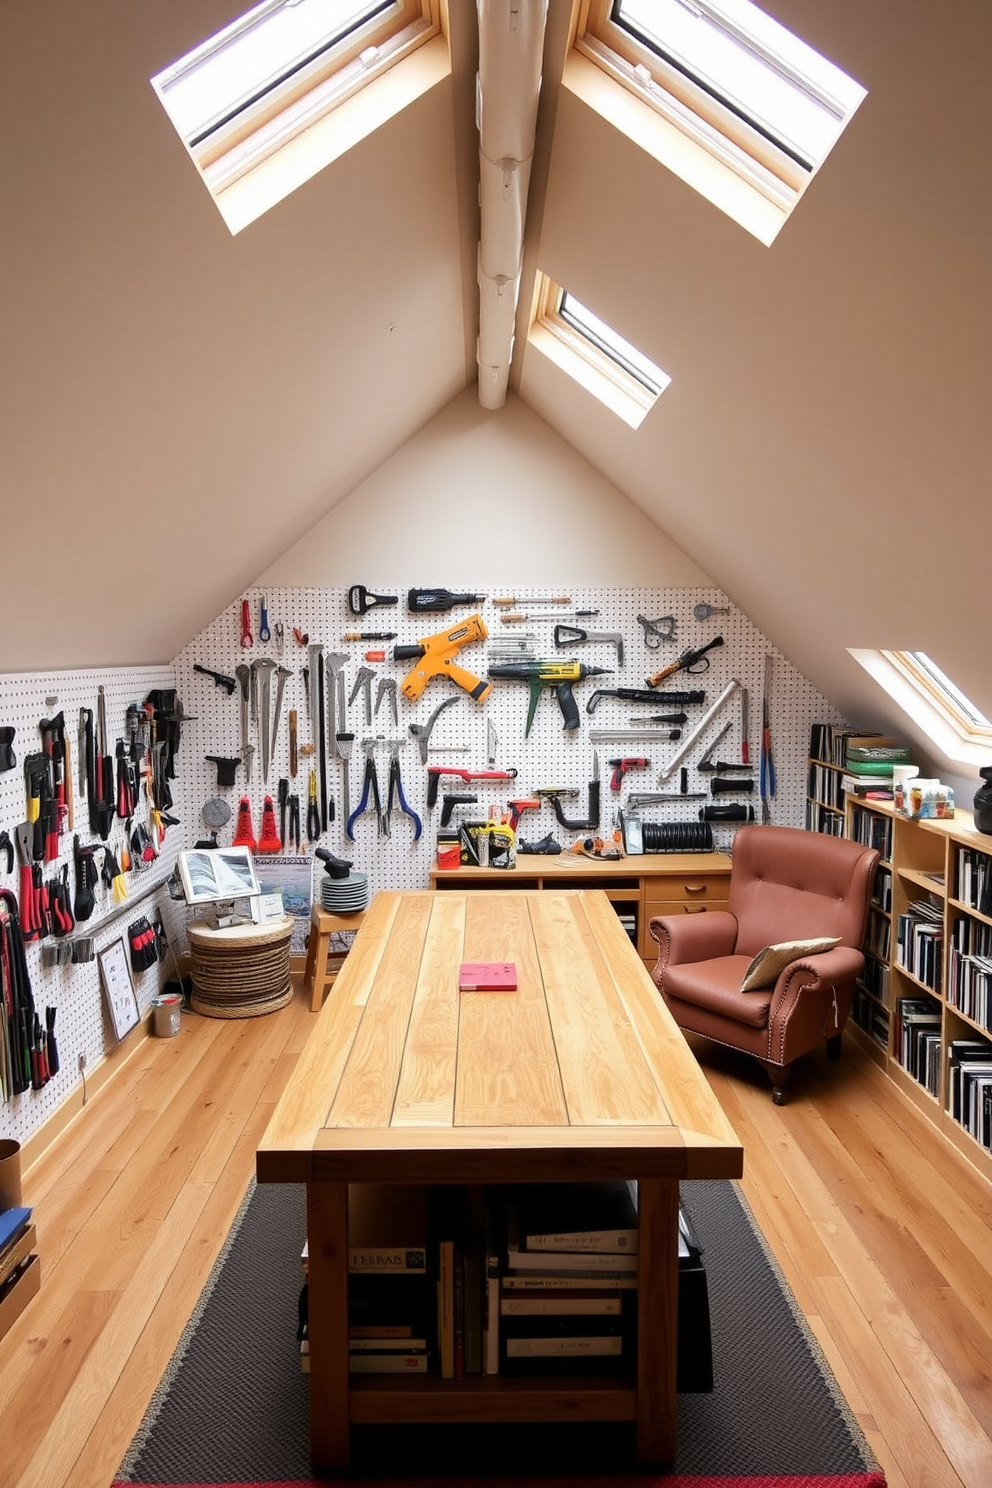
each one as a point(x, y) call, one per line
point(327, 1237)
point(657, 1318)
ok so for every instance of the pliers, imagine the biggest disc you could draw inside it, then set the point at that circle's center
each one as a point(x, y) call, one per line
point(395, 794)
point(370, 786)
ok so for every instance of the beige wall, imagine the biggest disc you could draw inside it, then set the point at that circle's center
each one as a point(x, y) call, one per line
point(476, 497)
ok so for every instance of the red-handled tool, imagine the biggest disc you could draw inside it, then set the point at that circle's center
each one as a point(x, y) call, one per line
point(247, 639)
point(28, 909)
point(621, 766)
point(434, 773)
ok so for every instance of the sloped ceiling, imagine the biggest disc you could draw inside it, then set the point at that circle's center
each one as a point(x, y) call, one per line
point(180, 406)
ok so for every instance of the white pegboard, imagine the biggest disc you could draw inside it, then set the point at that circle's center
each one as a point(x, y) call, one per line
point(81, 1024)
point(550, 756)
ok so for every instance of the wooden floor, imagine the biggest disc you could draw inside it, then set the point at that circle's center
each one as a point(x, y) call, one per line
point(883, 1232)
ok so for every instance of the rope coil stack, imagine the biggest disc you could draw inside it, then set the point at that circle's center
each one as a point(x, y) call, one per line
point(240, 972)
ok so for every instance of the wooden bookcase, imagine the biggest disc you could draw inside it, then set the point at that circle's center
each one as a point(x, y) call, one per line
point(923, 875)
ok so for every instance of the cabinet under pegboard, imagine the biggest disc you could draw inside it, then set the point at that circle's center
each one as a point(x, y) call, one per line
point(359, 692)
point(63, 964)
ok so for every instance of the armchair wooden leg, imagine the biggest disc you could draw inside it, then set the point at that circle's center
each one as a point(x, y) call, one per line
point(834, 1046)
point(779, 1076)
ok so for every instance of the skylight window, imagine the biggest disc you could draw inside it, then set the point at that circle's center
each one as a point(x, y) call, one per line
point(730, 80)
point(275, 75)
point(935, 703)
point(590, 351)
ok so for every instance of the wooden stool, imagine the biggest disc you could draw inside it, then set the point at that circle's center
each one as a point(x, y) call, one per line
point(319, 974)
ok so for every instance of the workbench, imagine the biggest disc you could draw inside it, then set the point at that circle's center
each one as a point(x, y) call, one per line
point(641, 886)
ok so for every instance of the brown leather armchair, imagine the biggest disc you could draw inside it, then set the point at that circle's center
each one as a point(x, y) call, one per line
point(785, 885)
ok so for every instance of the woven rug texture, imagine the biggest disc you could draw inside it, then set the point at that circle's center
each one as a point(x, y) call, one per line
point(232, 1408)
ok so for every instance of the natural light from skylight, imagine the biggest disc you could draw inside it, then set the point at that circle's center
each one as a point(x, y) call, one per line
point(933, 701)
point(593, 353)
point(268, 102)
point(718, 91)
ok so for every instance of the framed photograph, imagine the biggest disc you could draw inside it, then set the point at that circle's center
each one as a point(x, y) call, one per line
point(118, 989)
point(209, 875)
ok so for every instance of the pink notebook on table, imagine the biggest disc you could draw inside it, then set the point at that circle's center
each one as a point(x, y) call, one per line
point(487, 976)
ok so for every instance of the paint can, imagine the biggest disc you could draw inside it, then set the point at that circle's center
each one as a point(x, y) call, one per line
point(10, 1174)
point(166, 1011)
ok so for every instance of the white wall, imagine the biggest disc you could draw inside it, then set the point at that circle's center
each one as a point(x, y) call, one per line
point(492, 497)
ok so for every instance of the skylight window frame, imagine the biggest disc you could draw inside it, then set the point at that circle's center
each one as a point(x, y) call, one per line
point(307, 87)
point(767, 168)
point(586, 356)
point(942, 694)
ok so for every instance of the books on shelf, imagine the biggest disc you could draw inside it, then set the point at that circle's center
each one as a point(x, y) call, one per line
point(581, 1217)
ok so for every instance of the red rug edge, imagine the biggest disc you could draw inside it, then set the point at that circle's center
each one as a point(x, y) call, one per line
point(803, 1480)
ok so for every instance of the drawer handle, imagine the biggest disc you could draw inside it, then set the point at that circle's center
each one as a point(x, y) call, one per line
point(696, 908)
point(694, 888)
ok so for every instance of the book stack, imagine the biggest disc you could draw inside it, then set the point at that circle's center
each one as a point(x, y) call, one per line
point(390, 1281)
point(20, 1268)
point(920, 940)
point(868, 764)
point(567, 1297)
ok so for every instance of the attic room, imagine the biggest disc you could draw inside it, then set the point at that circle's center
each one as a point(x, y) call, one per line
point(231, 400)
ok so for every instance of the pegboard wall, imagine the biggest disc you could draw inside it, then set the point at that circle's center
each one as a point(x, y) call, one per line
point(550, 756)
point(82, 1026)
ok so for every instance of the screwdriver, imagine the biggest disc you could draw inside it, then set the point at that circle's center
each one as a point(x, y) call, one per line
point(370, 635)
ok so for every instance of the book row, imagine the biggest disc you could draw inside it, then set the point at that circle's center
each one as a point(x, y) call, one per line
point(872, 830)
point(970, 1086)
point(969, 987)
point(917, 1040)
point(975, 879)
point(920, 943)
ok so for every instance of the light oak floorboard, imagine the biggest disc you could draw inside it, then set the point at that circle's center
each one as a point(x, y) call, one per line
point(881, 1229)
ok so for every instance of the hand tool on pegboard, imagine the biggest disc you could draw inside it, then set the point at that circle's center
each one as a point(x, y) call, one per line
point(386, 690)
point(281, 674)
point(573, 635)
point(510, 601)
point(221, 679)
point(434, 601)
point(369, 635)
point(703, 611)
point(264, 634)
point(656, 631)
point(395, 798)
point(247, 748)
point(622, 766)
point(555, 794)
point(434, 773)
point(370, 792)
point(361, 600)
point(363, 685)
point(711, 766)
point(643, 695)
point(692, 738)
point(422, 731)
point(766, 772)
point(247, 639)
point(693, 660)
point(315, 694)
point(745, 726)
point(263, 669)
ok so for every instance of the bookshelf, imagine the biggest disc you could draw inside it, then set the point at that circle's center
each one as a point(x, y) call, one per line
point(824, 791)
point(923, 1008)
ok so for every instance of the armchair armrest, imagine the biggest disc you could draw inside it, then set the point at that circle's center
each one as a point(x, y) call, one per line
point(693, 937)
point(841, 964)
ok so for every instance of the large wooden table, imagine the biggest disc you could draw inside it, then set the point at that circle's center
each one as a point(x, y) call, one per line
point(578, 1075)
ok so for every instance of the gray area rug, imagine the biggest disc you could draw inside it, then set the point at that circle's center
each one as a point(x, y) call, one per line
point(232, 1407)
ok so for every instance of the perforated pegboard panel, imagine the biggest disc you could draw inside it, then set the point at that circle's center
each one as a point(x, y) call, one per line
point(81, 1023)
point(549, 757)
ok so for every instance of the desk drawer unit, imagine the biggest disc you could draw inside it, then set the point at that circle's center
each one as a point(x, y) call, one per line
point(685, 893)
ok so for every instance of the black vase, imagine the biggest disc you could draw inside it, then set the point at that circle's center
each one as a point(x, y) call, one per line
point(983, 802)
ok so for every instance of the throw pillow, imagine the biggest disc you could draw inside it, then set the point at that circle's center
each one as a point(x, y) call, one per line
point(768, 965)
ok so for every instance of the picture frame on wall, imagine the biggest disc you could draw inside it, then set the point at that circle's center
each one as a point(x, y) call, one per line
point(118, 989)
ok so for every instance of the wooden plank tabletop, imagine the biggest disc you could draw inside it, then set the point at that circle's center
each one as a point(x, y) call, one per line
point(581, 1066)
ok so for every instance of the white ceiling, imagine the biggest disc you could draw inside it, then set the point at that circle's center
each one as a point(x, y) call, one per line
point(178, 406)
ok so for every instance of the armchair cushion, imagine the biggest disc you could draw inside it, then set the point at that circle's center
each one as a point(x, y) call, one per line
point(767, 966)
point(716, 986)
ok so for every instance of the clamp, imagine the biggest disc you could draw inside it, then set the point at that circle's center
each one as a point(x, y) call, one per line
point(394, 794)
point(370, 787)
